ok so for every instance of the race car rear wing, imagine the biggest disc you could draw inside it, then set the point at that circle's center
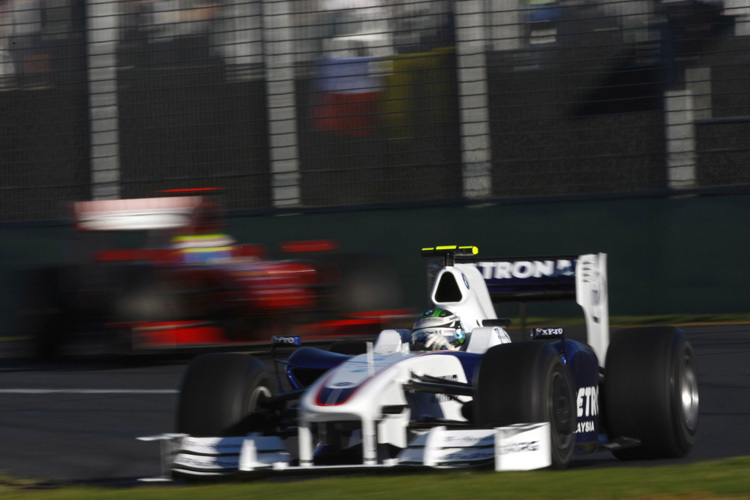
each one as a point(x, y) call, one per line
point(527, 279)
point(582, 278)
point(136, 214)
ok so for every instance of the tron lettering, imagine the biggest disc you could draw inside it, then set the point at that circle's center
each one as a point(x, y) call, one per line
point(525, 269)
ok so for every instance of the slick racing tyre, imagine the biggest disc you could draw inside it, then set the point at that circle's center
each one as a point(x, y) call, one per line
point(528, 382)
point(223, 395)
point(651, 392)
point(45, 315)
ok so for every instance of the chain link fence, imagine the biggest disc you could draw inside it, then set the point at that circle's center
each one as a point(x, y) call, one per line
point(298, 104)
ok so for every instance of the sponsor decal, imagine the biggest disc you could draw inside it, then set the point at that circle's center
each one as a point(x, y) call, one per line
point(476, 455)
point(206, 462)
point(468, 440)
point(221, 446)
point(286, 340)
point(445, 398)
point(547, 332)
point(525, 269)
point(587, 401)
point(519, 447)
point(432, 331)
point(586, 426)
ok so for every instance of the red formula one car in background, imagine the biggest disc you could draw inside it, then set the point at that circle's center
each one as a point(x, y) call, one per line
point(161, 273)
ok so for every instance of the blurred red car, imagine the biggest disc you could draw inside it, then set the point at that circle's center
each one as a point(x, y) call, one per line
point(160, 273)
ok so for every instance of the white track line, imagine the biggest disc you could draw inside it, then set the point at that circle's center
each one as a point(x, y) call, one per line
point(88, 391)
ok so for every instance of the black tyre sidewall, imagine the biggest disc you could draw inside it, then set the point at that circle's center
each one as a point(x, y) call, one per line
point(684, 436)
point(46, 315)
point(643, 371)
point(218, 394)
point(514, 385)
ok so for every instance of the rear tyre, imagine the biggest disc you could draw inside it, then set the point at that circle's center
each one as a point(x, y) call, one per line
point(223, 395)
point(528, 382)
point(651, 389)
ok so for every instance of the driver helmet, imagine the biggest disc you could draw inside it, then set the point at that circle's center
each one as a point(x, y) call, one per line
point(438, 321)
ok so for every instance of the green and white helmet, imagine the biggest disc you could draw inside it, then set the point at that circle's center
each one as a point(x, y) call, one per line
point(439, 321)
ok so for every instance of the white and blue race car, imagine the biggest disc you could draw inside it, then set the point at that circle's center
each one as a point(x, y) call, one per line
point(520, 405)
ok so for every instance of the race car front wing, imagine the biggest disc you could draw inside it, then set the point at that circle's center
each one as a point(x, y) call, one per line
point(515, 447)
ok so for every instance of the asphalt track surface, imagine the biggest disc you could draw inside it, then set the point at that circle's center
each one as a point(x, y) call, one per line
point(78, 420)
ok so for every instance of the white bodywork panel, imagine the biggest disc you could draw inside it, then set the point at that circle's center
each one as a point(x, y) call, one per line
point(482, 338)
point(475, 304)
point(361, 387)
point(391, 341)
point(523, 447)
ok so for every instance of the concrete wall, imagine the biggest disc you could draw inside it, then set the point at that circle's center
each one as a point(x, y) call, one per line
point(683, 255)
point(666, 255)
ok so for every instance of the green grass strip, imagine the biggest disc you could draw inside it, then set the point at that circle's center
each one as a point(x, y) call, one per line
point(724, 479)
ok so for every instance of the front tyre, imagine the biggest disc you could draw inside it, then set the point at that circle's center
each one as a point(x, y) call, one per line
point(651, 392)
point(223, 395)
point(528, 382)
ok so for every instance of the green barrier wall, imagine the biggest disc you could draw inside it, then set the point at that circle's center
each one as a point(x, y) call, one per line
point(666, 255)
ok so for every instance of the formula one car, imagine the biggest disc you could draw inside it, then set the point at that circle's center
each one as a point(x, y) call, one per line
point(160, 273)
point(520, 405)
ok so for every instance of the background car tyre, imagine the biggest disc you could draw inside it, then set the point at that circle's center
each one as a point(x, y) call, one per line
point(528, 382)
point(45, 315)
point(651, 392)
point(222, 395)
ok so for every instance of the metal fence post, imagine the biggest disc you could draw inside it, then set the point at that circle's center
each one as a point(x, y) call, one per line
point(679, 123)
point(104, 136)
point(281, 103)
point(476, 155)
point(698, 81)
point(506, 25)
